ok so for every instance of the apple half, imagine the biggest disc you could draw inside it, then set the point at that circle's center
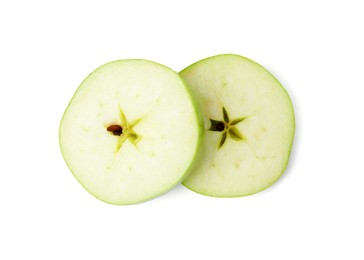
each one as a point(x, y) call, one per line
point(249, 125)
point(131, 132)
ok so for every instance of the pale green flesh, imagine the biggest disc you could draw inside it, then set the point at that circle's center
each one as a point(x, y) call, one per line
point(254, 161)
point(166, 130)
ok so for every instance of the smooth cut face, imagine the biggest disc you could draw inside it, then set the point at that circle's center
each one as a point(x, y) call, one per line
point(131, 132)
point(249, 126)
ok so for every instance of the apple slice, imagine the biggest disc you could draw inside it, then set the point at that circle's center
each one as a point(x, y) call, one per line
point(131, 131)
point(249, 124)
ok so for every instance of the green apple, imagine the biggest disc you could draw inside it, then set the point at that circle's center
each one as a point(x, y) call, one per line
point(131, 132)
point(249, 124)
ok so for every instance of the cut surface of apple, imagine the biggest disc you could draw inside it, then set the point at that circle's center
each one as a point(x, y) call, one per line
point(249, 126)
point(131, 132)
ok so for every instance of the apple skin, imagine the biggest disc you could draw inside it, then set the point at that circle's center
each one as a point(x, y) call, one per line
point(164, 175)
point(257, 156)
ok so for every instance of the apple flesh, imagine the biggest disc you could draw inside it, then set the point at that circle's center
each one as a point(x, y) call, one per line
point(249, 125)
point(131, 132)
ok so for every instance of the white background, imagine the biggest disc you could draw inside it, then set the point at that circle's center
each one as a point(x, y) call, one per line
point(315, 211)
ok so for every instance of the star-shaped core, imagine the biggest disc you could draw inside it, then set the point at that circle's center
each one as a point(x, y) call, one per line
point(227, 128)
point(124, 130)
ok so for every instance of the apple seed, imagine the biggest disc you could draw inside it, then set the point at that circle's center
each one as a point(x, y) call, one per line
point(220, 127)
point(115, 129)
